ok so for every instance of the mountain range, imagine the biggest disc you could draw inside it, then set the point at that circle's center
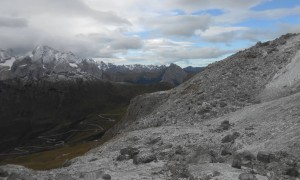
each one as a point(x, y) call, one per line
point(49, 64)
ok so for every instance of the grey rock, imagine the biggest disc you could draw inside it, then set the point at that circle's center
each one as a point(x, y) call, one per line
point(293, 172)
point(247, 155)
point(225, 125)
point(106, 176)
point(129, 151)
point(236, 163)
point(123, 157)
point(144, 158)
point(226, 151)
point(230, 137)
point(265, 157)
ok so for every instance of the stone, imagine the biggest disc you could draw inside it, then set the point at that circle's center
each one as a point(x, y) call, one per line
point(247, 176)
point(293, 172)
point(143, 159)
point(106, 176)
point(230, 137)
point(225, 125)
point(226, 151)
point(153, 141)
point(129, 151)
point(123, 157)
point(93, 159)
point(264, 157)
point(236, 163)
point(215, 157)
point(247, 155)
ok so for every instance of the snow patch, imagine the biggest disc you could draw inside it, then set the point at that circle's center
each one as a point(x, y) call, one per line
point(8, 62)
point(74, 65)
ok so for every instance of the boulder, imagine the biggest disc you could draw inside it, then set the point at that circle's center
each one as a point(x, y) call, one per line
point(293, 172)
point(236, 163)
point(265, 157)
point(144, 158)
point(106, 176)
point(225, 125)
point(230, 137)
point(129, 151)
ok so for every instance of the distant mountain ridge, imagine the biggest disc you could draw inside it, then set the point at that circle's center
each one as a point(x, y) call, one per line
point(49, 64)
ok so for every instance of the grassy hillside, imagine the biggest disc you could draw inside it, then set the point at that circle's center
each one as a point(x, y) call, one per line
point(76, 113)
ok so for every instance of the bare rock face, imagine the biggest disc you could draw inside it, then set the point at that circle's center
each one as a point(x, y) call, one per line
point(45, 63)
point(174, 75)
point(187, 121)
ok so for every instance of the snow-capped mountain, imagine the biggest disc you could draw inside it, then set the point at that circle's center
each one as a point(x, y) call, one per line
point(47, 63)
point(138, 68)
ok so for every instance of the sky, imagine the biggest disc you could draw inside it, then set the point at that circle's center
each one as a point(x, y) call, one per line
point(185, 32)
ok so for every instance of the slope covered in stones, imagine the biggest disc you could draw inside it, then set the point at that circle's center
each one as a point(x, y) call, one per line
point(223, 87)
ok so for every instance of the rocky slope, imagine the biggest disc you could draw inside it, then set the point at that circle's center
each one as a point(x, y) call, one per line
point(238, 119)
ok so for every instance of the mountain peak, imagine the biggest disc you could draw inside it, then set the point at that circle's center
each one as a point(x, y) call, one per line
point(5, 54)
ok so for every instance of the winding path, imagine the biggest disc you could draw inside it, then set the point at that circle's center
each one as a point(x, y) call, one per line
point(50, 139)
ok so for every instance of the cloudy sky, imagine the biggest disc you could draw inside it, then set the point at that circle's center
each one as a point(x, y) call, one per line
point(186, 32)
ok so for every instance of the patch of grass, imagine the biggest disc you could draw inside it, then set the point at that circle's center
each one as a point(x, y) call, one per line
point(53, 158)
point(75, 147)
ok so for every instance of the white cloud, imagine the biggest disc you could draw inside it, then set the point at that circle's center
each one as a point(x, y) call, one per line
point(13, 22)
point(222, 34)
point(242, 15)
point(196, 5)
point(165, 51)
point(184, 25)
point(136, 30)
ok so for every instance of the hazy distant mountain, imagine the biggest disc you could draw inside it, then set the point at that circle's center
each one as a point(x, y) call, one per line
point(191, 69)
point(174, 75)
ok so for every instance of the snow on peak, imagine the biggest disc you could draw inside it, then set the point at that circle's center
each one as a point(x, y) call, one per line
point(4, 55)
point(6, 58)
point(128, 68)
point(48, 55)
point(8, 62)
